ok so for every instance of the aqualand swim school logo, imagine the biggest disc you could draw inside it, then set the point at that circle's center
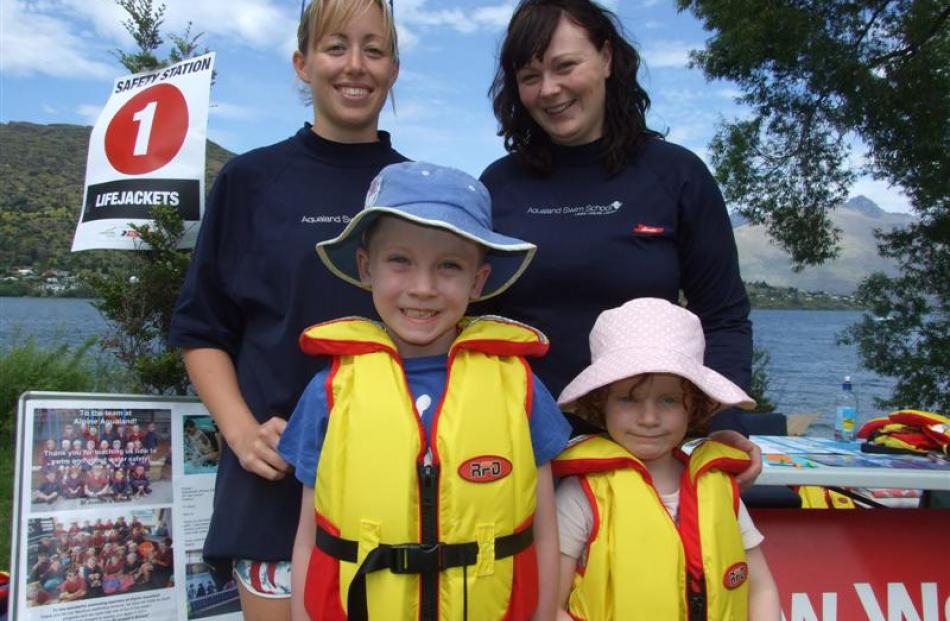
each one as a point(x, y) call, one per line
point(326, 219)
point(578, 210)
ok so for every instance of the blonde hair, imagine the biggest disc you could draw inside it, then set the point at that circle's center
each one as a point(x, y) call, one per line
point(323, 16)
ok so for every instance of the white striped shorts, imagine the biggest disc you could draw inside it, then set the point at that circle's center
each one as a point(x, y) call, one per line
point(269, 579)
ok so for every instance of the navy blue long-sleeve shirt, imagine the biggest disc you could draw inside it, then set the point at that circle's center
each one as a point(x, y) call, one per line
point(254, 283)
point(657, 227)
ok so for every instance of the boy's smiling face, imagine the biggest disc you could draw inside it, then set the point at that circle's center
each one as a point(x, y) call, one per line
point(422, 280)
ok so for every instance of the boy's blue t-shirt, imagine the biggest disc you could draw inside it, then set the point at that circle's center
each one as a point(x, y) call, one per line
point(302, 440)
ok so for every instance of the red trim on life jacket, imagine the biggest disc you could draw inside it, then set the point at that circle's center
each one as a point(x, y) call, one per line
point(495, 347)
point(529, 392)
point(871, 426)
point(336, 347)
point(449, 365)
point(917, 419)
point(917, 439)
point(436, 460)
point(585, 466)
point(328, 384)
point(690, 536)
point(324, 347)
point(523, 598)
point(735, 495)
point(726, 464)
point(326, 524)
point(325, 604)
point(595, 528)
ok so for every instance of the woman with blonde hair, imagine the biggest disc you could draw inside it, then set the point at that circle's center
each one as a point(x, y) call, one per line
point(254, 285)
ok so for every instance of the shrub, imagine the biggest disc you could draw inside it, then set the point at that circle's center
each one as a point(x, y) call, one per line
point(28, 366)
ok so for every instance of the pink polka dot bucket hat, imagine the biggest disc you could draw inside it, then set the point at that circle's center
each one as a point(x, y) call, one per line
point(650, 335)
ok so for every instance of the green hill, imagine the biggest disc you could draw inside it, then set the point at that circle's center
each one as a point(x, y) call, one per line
point(42, 170)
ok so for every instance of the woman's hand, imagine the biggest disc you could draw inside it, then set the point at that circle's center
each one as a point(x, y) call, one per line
point(736, 440)
point(255, 444)
point(256, 448)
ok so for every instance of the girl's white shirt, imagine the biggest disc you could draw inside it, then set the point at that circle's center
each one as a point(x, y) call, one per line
point(575, 520)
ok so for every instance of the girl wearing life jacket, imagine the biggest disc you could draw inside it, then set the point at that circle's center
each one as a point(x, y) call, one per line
point(647, 531)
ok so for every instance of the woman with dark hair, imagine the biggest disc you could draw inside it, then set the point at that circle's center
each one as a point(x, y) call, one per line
point(617, 212)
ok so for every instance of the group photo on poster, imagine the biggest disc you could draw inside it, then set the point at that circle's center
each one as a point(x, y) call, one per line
point(86, 457)
point(97, 554)
point(107, 525)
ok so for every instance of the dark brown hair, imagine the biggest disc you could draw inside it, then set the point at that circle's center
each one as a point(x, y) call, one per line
point(699, 407)
point(529, 35)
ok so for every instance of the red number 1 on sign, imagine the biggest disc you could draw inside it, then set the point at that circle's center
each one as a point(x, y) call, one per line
point(148, 131)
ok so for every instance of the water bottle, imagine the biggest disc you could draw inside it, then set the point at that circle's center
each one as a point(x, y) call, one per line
point(846, 412)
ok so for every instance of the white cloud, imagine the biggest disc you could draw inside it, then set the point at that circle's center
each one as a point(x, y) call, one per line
point(259, 24)
point(887, 197)
point(667, 54)
point(407, 38)
point(32, 43)
point(411, 14)
point(89, 112)
point(729, 93)
point(72, 38)
point(226, 110)
point(496, 17)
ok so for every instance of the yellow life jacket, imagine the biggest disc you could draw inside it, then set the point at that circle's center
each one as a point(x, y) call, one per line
point(818, 497)
point(640, 565)
point(398, 538)
point(908, 431)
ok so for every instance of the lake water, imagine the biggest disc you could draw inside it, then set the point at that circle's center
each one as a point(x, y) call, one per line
point(805, 372)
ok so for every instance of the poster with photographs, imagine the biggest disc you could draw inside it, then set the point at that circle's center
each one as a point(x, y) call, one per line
point(112, 503)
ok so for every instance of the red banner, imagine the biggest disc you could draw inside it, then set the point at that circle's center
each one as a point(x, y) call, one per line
point(874, 565)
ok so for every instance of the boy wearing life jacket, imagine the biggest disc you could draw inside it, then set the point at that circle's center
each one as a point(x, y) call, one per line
point(645, 531)
point(424, 447)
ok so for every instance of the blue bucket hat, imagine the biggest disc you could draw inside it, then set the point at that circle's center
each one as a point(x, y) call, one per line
point(436, 196)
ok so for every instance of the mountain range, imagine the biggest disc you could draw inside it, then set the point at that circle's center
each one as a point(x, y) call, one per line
point(762, 260)
point(42, 168)
point(42, 171)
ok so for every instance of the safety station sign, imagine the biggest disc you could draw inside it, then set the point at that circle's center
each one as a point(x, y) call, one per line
point(147, 149)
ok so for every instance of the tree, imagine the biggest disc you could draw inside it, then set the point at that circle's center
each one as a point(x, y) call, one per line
point(759, 384)
point(820, 76)
point(144, 24)
point(138, 295)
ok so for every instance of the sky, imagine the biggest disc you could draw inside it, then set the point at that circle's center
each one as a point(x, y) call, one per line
point(57, 65)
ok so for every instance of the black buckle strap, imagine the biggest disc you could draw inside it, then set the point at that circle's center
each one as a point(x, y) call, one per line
point(696, 598)
point(410, 558)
